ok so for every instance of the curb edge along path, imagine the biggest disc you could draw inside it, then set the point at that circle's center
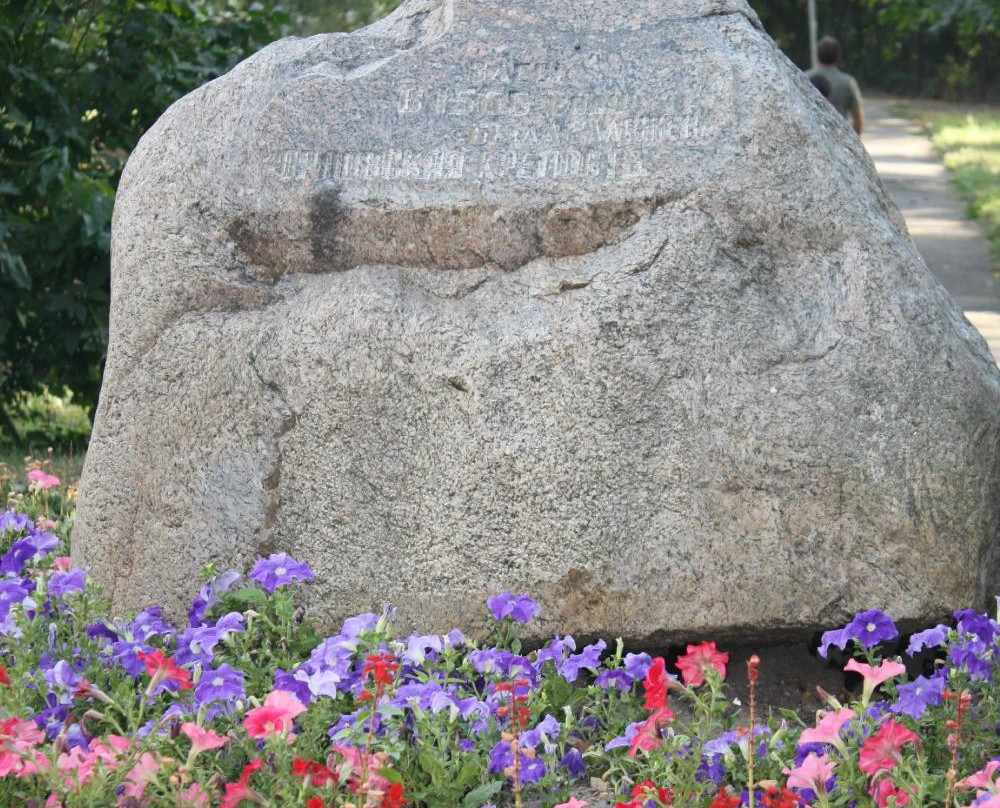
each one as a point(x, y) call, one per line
point(951, 245)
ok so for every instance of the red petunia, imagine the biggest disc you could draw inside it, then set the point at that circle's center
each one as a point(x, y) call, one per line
point(316, 774)
point(315, 802)
point(240, 790)
point(161, 668)
point(783, 798)
point(882, 750)
point(393, 797)
point(4, 678)
point(655, 684)
point(698, 660)
point(724, 800)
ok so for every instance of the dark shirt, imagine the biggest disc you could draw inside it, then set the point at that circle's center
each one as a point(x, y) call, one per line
point(845, 94)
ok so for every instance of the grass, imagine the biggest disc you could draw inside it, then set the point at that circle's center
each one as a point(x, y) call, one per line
point(969, 144)
point(53, 432)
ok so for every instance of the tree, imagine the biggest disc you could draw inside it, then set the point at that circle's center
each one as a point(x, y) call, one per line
point(80, 81)
point(323, 16)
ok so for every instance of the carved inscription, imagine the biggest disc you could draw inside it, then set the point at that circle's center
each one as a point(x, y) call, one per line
point(596, 164)
point(517, 121)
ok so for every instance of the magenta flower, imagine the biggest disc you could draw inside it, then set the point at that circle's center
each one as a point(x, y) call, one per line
point(39, 479)
point(279, 569)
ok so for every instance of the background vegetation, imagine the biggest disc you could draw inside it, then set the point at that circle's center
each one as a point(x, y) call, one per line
point(970, 148)
point(81, 80)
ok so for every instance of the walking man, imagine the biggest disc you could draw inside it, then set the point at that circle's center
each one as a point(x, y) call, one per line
point(845, 94)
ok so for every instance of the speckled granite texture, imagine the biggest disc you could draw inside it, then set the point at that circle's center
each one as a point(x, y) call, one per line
point(598, 301)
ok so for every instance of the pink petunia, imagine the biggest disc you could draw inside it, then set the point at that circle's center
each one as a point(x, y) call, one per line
point(18, 738)
point(353, 757)
point(875, 676)
point(275, 716)
point(62, 564)
point(647, 736)
point(194, 796)
point(573, 803)
point(140, 775)
point(42, 481)
point(984, 779)
point(882, 750)
point(883, 789)
point(202, 740)
point(698, 660)
point(812, 774)
point(828, 728)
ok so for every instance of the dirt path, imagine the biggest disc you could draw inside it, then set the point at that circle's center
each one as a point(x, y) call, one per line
point(952, 246)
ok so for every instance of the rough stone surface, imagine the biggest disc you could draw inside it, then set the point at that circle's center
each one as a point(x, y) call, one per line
point(597, 300)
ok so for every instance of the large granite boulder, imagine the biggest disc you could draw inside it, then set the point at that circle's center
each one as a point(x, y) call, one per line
point(599, 301)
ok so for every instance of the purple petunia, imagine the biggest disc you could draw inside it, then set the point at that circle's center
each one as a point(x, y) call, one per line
point(198, 645)
point(637, 665)
point(418, 646)
point(209, 596)
point(13, 522)
point(590, 657)
point(17, 557)
point(555, 651)
point(224, 683)
point(573, 762)
point(43, 542)
point(616, 678)
point(916, 696)
point(148, 623)
point(519, 608)
point(867, 628)
point(531, 770)
point(279, 569)
point(12, 590)
point(66, 583)
point(969, 622)
point(547, 730)
point(974, 656)
point(837, 638)
point(928, 638)
point(624, 740)
point(871, 628)
point(126, 654)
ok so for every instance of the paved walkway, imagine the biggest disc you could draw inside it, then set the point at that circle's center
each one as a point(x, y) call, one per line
point(952, 246)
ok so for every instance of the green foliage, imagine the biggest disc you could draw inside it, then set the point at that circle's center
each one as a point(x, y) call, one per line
point(45, 419)
point(321, 16)
point(82, 80)
point(970, 149)
point(943, 48)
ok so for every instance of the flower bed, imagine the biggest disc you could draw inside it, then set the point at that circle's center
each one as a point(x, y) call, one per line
point(246, 705)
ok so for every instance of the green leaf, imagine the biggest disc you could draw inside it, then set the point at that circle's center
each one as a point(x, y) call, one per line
point(434, 768)
point(467, 775)
point(483, 794)
point(246, 598)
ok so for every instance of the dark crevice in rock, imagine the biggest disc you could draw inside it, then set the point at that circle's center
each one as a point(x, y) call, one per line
point(272, 482)
point(339, 237)
point(642, 266)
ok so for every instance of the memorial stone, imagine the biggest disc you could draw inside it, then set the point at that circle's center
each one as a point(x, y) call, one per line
point(597, 301)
